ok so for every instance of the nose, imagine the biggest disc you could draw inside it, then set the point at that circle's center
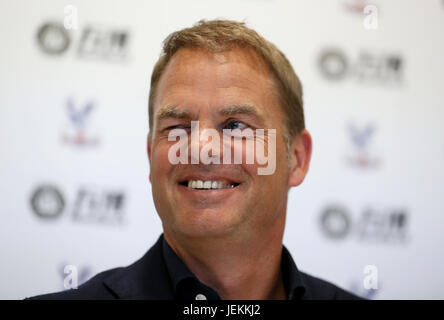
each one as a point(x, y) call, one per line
point(205, 143)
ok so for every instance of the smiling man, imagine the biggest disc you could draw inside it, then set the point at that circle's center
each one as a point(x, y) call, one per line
point(223, 221)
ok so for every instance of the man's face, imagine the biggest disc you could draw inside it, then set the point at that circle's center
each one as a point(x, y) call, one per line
point(209, 88)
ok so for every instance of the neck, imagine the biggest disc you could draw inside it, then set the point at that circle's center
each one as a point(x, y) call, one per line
point(244, 267)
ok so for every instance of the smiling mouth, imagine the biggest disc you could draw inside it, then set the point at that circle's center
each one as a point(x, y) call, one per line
point(208, 184)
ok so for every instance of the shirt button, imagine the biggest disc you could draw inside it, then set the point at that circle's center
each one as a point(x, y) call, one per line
point(200, 297)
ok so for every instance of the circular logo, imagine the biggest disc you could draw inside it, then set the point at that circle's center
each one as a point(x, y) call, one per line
point(333, 64)
point(335, 222)
point(53, 38)
point(47, 202)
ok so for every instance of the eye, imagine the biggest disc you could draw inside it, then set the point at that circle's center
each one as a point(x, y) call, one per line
point(234, 124)
point(178, 126)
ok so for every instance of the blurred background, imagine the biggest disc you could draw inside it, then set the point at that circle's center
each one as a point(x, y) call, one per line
point(74, 189)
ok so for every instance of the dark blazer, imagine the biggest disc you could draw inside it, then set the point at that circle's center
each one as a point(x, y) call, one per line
point(148, 278)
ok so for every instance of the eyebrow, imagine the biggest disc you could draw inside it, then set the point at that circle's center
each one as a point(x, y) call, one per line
point(172, 112)
point(177, 113)
point(242, 110)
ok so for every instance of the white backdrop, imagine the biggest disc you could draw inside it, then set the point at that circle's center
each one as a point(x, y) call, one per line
point(73, 122)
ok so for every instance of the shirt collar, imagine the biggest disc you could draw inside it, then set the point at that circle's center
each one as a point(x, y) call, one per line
point(177, 270)
point(294, 286)
point(182, 278)
point(186, 285)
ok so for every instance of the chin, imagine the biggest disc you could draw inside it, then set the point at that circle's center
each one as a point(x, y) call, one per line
point(207, 223)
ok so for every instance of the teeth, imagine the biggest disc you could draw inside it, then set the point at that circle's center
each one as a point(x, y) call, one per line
point(209, 184)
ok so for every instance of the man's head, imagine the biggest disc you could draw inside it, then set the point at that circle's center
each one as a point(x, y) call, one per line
point(223, 35)
point(225, 76)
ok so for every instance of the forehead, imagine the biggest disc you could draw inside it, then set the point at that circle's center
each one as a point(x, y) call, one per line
point(200, 74)
point(190, 58)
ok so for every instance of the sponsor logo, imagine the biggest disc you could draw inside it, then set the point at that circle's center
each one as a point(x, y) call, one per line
point(365, 67)
point(77, 132)
point(90, 205)
point(53, 38)
point(96, 205)
point(360, 138)
point(335, 222)
point(47, 202)
point(90, 42)
point(370, 225)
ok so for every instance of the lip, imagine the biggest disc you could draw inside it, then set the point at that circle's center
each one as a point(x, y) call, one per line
point(208, 177)
point(209, 197)
point(210, 191)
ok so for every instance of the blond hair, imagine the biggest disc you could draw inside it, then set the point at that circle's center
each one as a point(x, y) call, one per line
point(223, 35)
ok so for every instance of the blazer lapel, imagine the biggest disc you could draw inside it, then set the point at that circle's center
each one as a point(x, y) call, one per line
point(147, 278)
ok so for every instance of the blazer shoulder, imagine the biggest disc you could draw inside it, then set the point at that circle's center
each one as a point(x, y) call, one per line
point(319, 289)
point(94, 288)
point(147, 278)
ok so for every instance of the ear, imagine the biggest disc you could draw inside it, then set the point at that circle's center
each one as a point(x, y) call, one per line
point(148, 148)
point(300, 155)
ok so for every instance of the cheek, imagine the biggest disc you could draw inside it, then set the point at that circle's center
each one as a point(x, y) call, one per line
point(275, 172)
point(253, 153)
point(160, 164)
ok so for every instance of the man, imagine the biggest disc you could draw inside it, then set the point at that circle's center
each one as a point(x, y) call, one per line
point(223, 221)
